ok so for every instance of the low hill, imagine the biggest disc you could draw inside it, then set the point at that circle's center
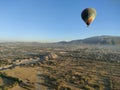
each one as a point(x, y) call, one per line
point(101, 40)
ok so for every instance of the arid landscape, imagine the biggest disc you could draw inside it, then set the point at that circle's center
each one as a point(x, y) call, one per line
point(59, 45)
point(59, 66)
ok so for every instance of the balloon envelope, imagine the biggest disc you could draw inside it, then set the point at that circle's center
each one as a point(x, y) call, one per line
point(88, 15)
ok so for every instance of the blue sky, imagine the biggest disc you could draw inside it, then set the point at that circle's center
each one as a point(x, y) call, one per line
point(56, 20)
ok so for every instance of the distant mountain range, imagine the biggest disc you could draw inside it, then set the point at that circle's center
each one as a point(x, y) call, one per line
point(100, 40)
point(97, 40)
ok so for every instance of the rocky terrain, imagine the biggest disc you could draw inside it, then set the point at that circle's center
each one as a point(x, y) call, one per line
point(58, 66)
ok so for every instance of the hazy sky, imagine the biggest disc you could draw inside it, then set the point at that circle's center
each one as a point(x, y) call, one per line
point(56, 20)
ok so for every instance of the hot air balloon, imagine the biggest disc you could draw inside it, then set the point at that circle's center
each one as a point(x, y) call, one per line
point(88, 15)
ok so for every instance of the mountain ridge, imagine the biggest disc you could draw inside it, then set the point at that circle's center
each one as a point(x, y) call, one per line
point(102, 40)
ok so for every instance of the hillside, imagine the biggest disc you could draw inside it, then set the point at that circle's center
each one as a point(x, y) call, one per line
point(102, 40)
